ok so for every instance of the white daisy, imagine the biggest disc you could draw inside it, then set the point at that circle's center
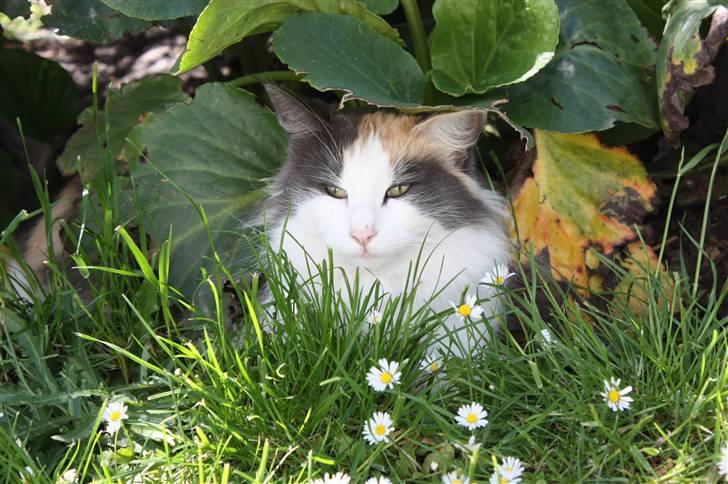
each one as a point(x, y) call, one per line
point(468, 309)
point(511, 468)
point(496, 478)
point(378, 427)
point(431, 364)
point(454, 478)
point(338, 478)
point(385, 376)
point(472, 416)
point(68, 477)
point(113, 414)
point(501, 273)
point(547, 338)
point(616, 399)
point(375, 317)
point(723, 463)
point(378, 480)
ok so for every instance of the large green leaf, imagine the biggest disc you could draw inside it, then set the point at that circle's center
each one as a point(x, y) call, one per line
point(157, 9)
point(218, 149)
point(127, 106)
point(381, 7)
point(91, 20)
point(342, 52)
point(477, 45)
point(650, 14)
point(683, 61)
point(39, 92)
point(598, 76)
point(226, 22)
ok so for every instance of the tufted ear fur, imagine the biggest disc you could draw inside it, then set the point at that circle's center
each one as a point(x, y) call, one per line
point(454, 132)
point(297, 118)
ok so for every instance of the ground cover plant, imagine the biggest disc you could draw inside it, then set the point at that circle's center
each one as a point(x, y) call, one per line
point(149, 354)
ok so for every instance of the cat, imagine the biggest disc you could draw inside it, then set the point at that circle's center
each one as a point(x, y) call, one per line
point(381, 189)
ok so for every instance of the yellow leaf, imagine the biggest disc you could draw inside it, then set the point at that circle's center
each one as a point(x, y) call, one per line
point(582, 196)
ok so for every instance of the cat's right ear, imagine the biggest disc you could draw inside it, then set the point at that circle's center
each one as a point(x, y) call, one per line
point(298, 119)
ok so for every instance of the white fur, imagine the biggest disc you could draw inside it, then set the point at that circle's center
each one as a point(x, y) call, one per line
point(322, 222)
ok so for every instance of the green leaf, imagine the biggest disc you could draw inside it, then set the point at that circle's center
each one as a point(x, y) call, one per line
point(598, 76)
point(683, 60)
point(91, 20)
point(15, 8)
point(478, 45)
point(381, 7)
point(39, 92)
point(225, 22)
point(650, 14)
point(157, 9)
point(127, 106)
point(342, 52)
point(218, 150)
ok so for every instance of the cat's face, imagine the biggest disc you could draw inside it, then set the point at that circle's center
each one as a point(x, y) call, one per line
point(374, 185)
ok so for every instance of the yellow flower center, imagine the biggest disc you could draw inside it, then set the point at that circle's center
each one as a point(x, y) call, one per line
point(380, 430)
point(115, 416)
point(457, 481)
point(613, 395)
point(434, 366)
point(498, 280)
point(386, 377)
point(502, 480)
point(471, 418)
point(464, 310)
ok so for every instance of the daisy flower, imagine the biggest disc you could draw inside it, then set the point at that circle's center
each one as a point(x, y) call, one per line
point(472, 416)
point(468, 309)
point(378, 480)
point(385, 376)
point(454, 478)
point(378, 427)
point(375, 317)
point(547, 337)
point(723, 464)
point(431, 364)
point(501, 273)
point(338, 478)
point(616, 399)
point(113, 414)
point(68, 477)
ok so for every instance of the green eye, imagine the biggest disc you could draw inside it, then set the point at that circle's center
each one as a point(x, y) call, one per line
point(335, 191)
point(397, 190)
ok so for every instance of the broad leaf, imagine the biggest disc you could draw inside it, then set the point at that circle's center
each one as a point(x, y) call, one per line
point(218, 149)
point(683, 61)
point(342, 52)
point(640, 264)
point(582, 195)
point(597, 77)
point(85, 152)
point(650, 14)
point(226, 22)
point(15, 8)
point(157, 9)
point(479, 45)
point(381, 7)
point(39, 92)
point(91, 20)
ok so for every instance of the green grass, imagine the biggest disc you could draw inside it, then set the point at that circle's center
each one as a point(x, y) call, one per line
point(278, 392)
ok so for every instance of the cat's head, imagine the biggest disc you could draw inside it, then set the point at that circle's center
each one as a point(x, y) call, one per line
point(371, 183)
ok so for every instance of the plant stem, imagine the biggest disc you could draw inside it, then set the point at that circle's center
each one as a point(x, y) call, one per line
point(265, 76)
point(417, 31)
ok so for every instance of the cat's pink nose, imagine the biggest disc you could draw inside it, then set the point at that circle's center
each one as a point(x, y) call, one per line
point(363, 235)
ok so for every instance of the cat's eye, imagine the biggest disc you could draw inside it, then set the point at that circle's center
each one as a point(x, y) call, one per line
point(335, 191)
point(397, 190)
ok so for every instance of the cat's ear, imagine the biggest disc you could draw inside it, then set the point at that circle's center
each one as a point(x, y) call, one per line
point(296, 117)
point(456, 132)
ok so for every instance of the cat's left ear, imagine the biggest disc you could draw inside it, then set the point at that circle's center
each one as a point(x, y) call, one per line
point(455, 132)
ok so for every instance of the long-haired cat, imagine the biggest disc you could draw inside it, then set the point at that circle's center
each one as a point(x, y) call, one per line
point(380, 190)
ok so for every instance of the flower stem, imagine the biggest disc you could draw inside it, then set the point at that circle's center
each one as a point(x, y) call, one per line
point(417, 31)
point(265, 76)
